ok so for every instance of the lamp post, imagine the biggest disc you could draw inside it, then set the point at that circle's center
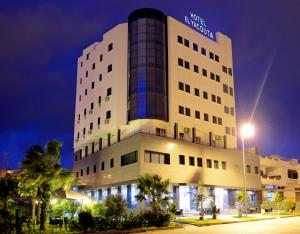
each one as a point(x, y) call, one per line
point(247, 131)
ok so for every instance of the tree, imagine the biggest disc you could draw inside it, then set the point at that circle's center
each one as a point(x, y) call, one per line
point(115, 206)
point(199, 197)
point(8, 189)
point(277, 198)
point(152, 187)
point(41, 174)
point(241, 196)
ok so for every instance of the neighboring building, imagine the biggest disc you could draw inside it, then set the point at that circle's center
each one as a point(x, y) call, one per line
point(280, 174)
point(156, 96)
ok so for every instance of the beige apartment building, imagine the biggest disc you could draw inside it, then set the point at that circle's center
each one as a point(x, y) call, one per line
point(156, 96)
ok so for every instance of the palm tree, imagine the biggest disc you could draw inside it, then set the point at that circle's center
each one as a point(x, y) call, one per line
point(153, 188)
point(199, 197)
point(42, 174)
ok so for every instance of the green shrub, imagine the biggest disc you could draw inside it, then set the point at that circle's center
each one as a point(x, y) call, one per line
point(133, 221)
point(157, 219)
point(115, 207)
point(74, 225)
point(102, 223)
point(86, 220)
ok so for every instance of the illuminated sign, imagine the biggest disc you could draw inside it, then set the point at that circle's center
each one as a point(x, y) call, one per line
point(198, 24)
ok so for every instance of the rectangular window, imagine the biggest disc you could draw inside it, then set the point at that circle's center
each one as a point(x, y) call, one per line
point(111, 163)
point(213, 98)
point(157, 157)
point(214, 119)
point(186, 64)
point(100, 77)
point(99, 100)
point(206, 118)
point(77, 174)
point(180, 39)
point(181, 110)
point(86, 150)
point(232, 111)
point(93, 66)
point(186, 43)
point(218, 79)
point(180, 62)
point(108, 92)
point(86, 74)
point(161, 132)
point(102, 166)
point(196, 69)
point(225, 88)
point(216, 164)
point(230, 71)
point(110, 47)
point(192, 161)
point(181, 86)
point(219, 121)
point(204, 72)
point(81, 64)
point(212, 76)
point(101, 57)
point(109, 68)
point(87, 56)
point(226, 109)
point(93, 85)
point(129, 158)
point(203, 51)
point(85, 92)
point(187, 111)
point(205, 95)
point(211, 55)
point(199, 162)
point(208, 163)
point(87, 170)
point(197, 92)
point(95, 168)
point(187, 88)
point(224, 69)
point(248, 169)
point(256, 170)
point(81, 172)
point(219, 100)
point(224, 166)
point(227, 130)
point(197, 114)
point(99, 120)
point(92, 105)
point(195, 47)
point(231, 91)
point(217, 59)
point(181, 159)
point(91, 126)
point(108, 114)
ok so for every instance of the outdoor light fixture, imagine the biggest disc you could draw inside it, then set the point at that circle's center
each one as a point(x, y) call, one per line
point(171, 145)
point(247, 131)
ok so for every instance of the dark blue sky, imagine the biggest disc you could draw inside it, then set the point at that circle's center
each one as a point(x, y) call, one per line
point(40, 42)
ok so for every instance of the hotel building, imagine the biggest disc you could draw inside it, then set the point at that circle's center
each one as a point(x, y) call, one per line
point(156, 96)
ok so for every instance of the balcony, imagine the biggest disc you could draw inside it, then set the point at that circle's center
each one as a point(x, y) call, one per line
point(267, 180)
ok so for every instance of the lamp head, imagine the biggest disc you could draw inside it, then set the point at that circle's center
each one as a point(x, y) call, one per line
point(247, 130)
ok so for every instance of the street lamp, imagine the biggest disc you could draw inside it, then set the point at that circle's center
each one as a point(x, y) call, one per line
point(247, 131)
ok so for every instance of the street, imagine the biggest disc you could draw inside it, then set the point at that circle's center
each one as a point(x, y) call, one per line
point(274, 226)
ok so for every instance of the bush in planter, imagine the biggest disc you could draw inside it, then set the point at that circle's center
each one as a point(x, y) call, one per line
point(157, 219)
point(214, 212)
point(86, 220)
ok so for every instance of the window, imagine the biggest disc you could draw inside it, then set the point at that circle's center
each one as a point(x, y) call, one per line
point(224, 166)
point(180, 39)
point(216, 164)
point(217, 58)
point(81, 64)
point(109, 68)
point(195, 47)
point(225, 88)
point(181, 110)
point(219, 121)
point(87, 170)
point(87, 56)
point(204, 72)
point(213, 98)
point(95, 168)
point(85, 92)
point(101, 57)
point(186, 64)
point(214, 119)
point(218, 79)
point(99, 100)
point(157, 157)
point(203, 51)
point(205, 95)
point(187, 88)
point(186, 43)
point(108, 92)
point(211, 55)
point(197, 114)
point(256, 169)
point(181, 159)
point(224, 69)
point(180, 62)
point(111, 163)
point(206, 117)
point(199, 162)
point(218, 100)
point(227, 130)
point(232, 111)
point(208, 163)
point(79, 97)
point(77, 174)
point(198, 140)
point(129, 158)
point(110, 47)
point(108, 114)
point(86, 74)
point(80, 81)
point(231, 91)
point(83, 132)
point(86, 150)
point(226, 109)
point(230, 71)
point(181, 86)
point(91, 126)
point(93, 66)
point(292, 174)
point(160, 132)
point(84, 112)
point(187, 111)
point(248, 169)
point(100, 77)
point(196, 69)
point(92, 105)
point(102, 166)
point(212, 76)
point(197, 92)
point(192, 161)
point(81, 172)
point(99, 120)
point(93, 85)
point(181, 136)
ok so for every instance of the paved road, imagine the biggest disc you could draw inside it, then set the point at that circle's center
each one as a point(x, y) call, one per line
point(274, 226)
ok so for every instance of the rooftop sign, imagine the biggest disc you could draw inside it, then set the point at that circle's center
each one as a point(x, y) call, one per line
point(198, 24)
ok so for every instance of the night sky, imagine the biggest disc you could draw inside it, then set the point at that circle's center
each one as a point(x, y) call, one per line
point(40, 42)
